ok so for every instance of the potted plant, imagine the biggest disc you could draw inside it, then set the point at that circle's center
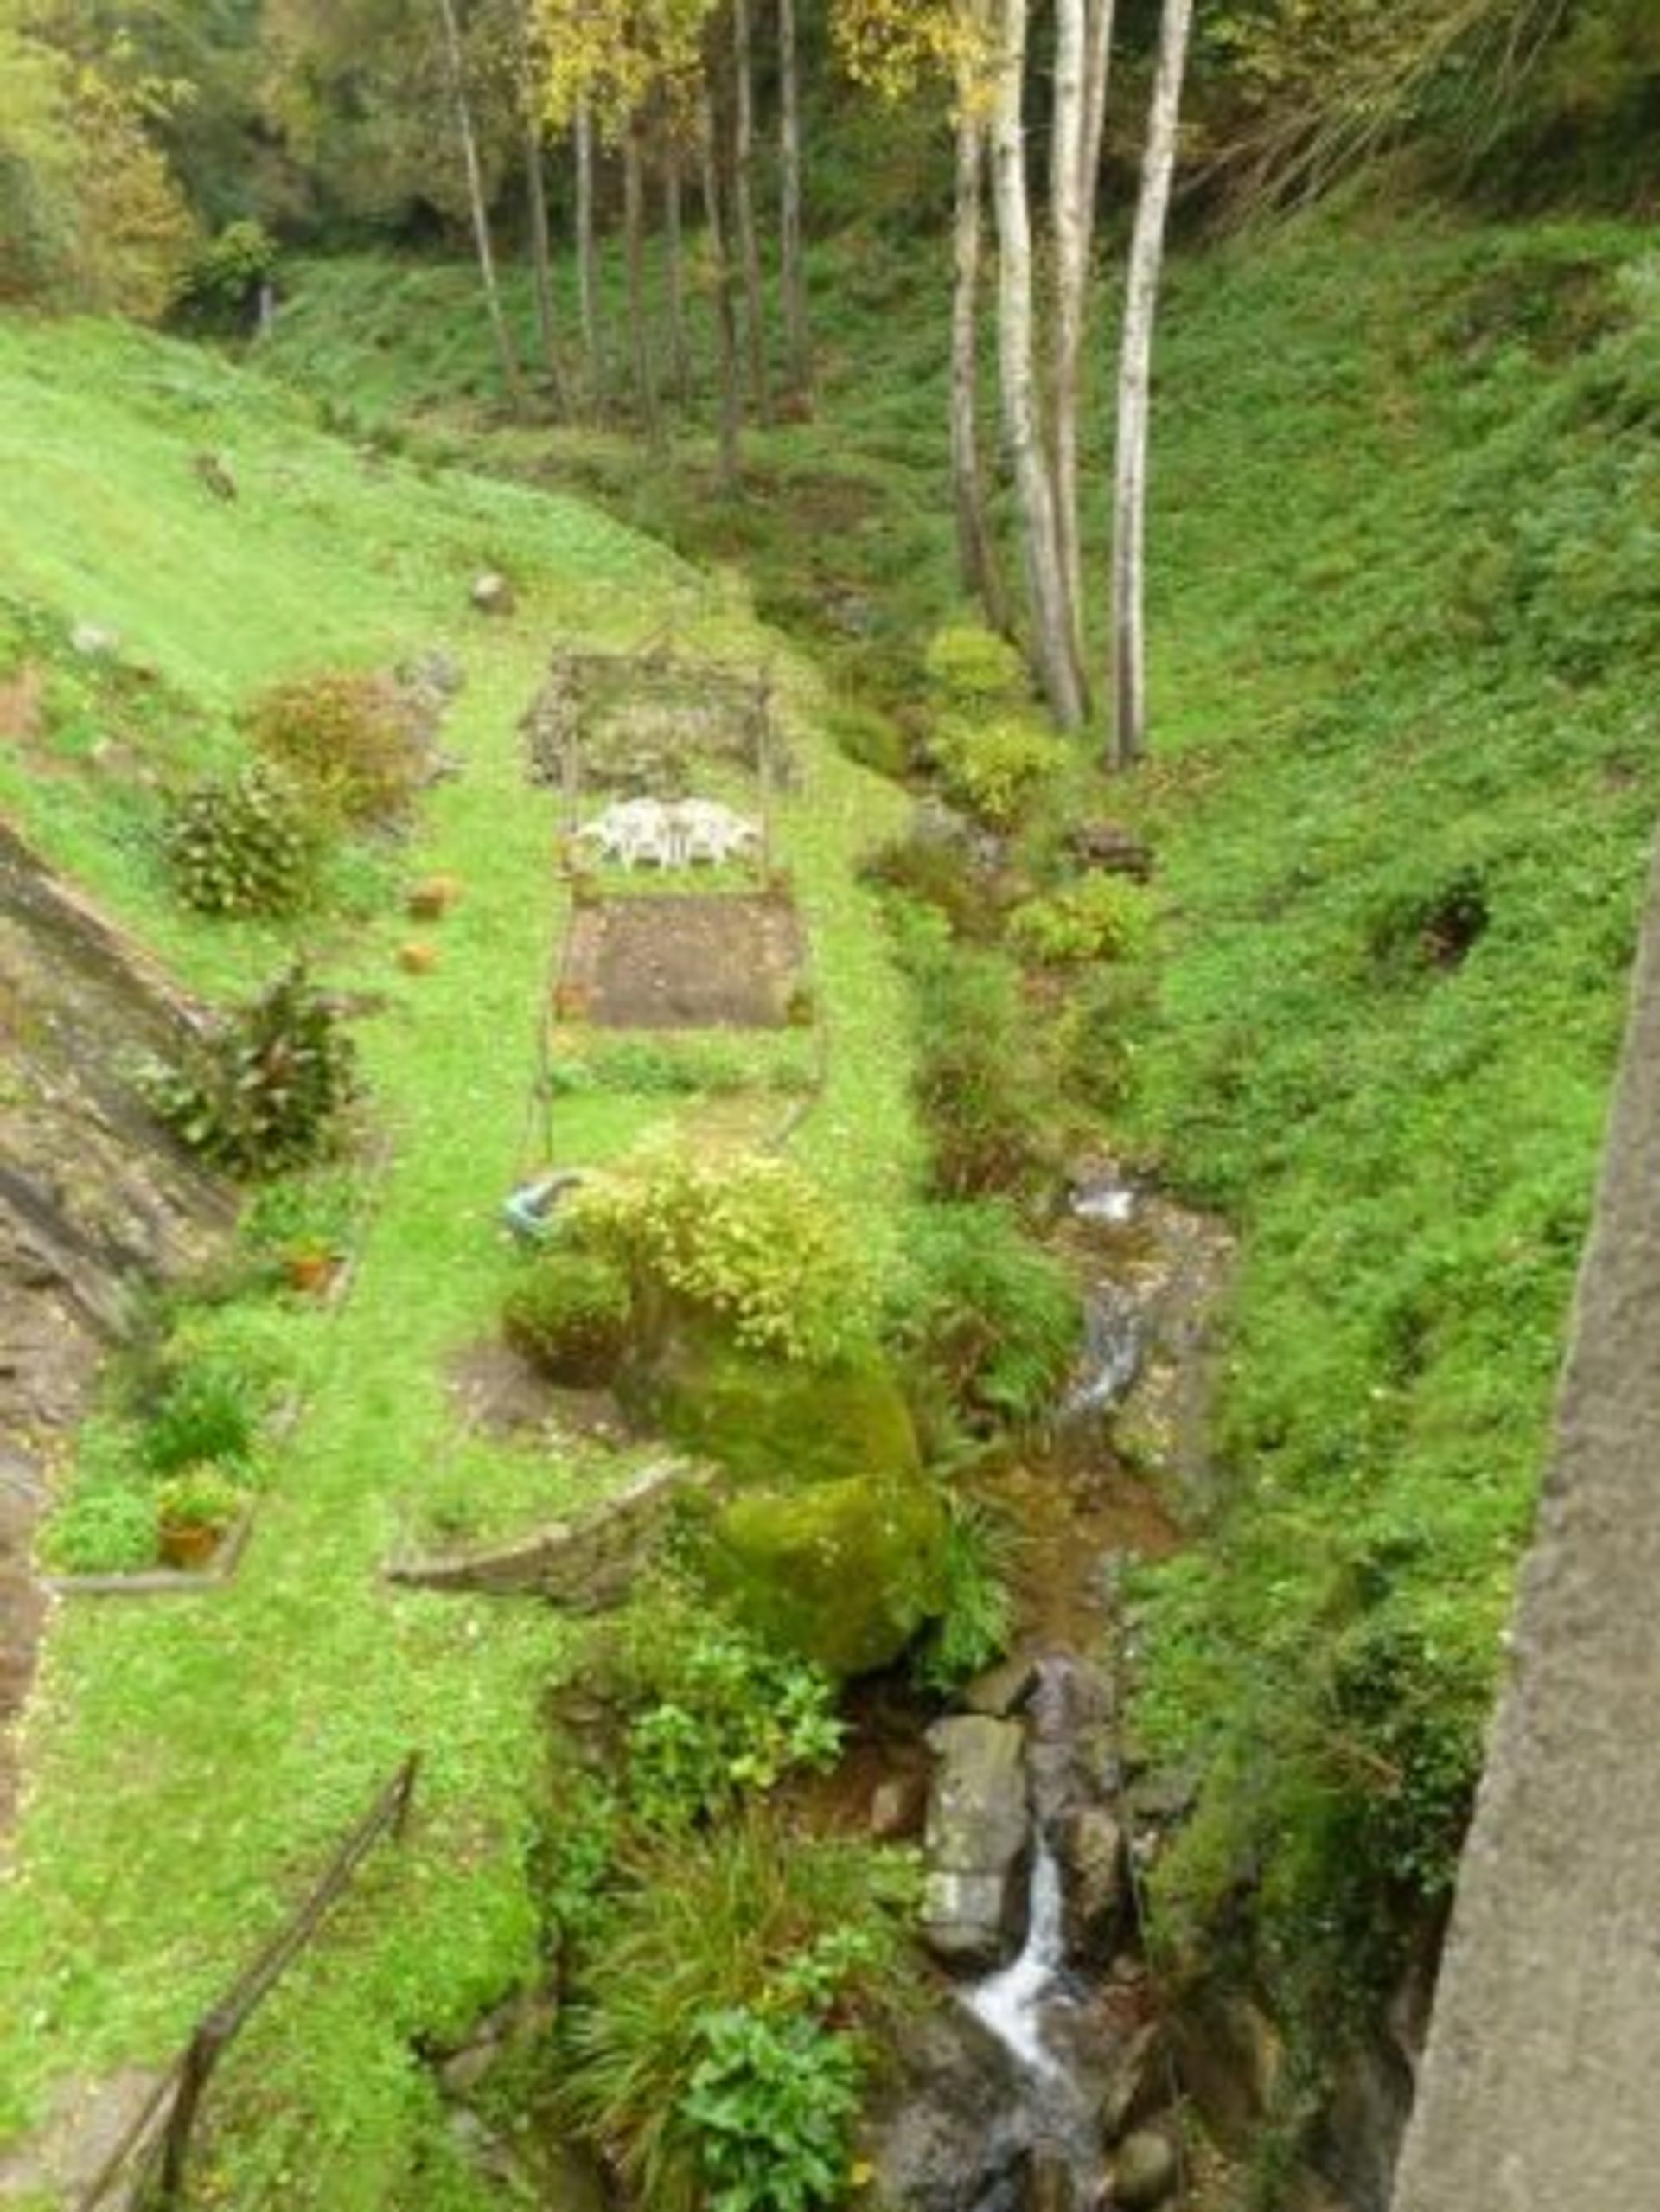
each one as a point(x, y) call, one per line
point(311, 1265)
point(193, 1512)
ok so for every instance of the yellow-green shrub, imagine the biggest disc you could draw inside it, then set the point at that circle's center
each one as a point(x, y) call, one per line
point(995, 768)
point(1103, 918)
point(974, 667)
point(750, 1240)
point(357, 742)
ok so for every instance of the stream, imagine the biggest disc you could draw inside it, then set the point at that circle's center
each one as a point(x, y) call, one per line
point(1039, 2083)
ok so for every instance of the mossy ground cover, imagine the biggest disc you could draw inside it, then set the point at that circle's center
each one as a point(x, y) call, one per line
point(191, 1763)
point(1405, 627)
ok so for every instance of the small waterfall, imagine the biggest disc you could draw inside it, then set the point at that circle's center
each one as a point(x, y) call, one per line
point(1037, 2008)
point(1114, 1328)
point(1010, 2003)
point(1104, 1201)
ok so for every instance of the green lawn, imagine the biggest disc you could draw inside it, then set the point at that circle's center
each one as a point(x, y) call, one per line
point(192, 1761)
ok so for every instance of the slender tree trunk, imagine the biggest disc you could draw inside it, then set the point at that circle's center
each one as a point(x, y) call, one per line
point(506, 351)
point(793, 267)
point(587, 258)
point(1134, 388)
point(1080, 100)
point(748, 243)
point(731, 403)
point(1097, 74)
point(675, 263)
point(1051, 639)
point(976, 554)
point(542, 257)
point(634, 226)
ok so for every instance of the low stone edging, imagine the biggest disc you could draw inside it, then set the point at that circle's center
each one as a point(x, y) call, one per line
point(589, 1564)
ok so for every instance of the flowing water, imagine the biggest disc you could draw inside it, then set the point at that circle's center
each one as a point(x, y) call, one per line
point(1001, 2106)
point(1011, 2001)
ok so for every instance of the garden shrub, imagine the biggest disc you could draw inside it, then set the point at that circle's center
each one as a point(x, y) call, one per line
point(265, 1089)
point(834, 1551)
point(205, 1412)
point(723, 1716)
point(773, 2101)
point(102, 1531)
point(358, 743)
point(750, 1240)
point(242, 845)
point(972, 667)
point(1103, 918)
point(984, 1311)
point(752, 1918)
point(570, 1314)
point(996, 769)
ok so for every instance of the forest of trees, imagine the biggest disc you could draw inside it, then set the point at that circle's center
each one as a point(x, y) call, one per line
point(713, 127)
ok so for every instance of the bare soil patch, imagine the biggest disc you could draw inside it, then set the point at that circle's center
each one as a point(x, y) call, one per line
point(497, 1392)
point(684, 961)
point(22, 709)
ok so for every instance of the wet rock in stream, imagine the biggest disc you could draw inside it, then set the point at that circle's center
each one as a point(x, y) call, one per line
point(978, 1837)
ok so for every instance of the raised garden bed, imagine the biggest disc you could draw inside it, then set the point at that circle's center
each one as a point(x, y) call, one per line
point(685, 960)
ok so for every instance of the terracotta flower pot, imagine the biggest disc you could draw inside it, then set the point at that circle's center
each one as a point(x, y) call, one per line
point(187, 1544)
point(312, 1272)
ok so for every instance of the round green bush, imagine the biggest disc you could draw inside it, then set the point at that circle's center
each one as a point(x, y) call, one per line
point(242, 845)
point(103, 1531)
point(571, 1314)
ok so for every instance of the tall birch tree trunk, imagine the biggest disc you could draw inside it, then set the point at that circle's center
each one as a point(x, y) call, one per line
point(1082, 52)
point(976, 554)
point(792, 261)
point(748, 244)
point(1134, 389)
point(732, 402)
point(587, 262)
point(1051, 622)
point(456, 63)
point(633, 228)
point(680, 343)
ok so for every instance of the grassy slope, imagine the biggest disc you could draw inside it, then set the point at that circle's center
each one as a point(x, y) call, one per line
point(1410, 631)
point(1406, 637)
point(192, 1761)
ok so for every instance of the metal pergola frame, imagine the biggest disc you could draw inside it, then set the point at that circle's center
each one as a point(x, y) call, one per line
point(737, 701)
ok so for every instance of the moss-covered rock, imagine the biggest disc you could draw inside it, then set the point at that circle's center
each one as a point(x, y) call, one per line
point(765, 1421)
point(844, 1573)
point(833, 1547)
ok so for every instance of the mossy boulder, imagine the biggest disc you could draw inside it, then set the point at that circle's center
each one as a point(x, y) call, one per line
point(767, 1421)
point(844, 1573)
point(833, 1547)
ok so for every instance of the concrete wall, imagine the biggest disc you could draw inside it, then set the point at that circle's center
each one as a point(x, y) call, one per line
point(1541, 2084)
